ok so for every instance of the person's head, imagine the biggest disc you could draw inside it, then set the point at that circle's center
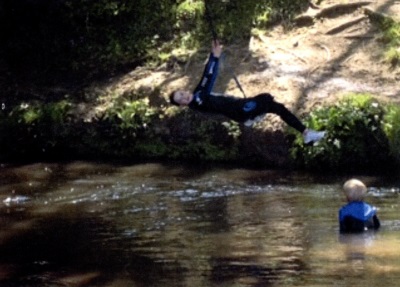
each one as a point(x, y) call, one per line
point(354, 190)
point(180, 98)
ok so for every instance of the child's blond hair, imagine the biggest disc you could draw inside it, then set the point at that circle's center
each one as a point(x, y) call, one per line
point(354, 189)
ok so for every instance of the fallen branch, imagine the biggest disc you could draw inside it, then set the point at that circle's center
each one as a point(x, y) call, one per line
point(348, 59)
point(345, 25)
point(362, 36)
point(293, 54)
point(342, 8)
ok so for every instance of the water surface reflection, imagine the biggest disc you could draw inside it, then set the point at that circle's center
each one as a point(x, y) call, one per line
point(85, 224)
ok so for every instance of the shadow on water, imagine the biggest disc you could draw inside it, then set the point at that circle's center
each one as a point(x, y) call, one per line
point(229, 270)
point(65, 250)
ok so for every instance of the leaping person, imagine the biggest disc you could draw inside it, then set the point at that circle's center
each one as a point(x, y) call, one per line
point(242, 110)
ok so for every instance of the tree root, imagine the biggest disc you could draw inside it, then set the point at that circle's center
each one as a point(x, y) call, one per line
point(345, 25)
point(362, 36)
point(307, 19)
point(377, 16)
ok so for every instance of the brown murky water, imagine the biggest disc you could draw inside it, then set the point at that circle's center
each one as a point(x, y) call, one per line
point(85, 224)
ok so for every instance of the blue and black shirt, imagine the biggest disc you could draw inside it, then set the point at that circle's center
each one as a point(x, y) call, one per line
point(357, 216)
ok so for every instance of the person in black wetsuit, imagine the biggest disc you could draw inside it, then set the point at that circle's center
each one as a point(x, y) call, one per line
point(356, 215)
point(243, 110)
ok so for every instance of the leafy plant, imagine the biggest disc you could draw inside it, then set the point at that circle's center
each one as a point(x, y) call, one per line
point(392, 130)
point(355, 138)
point(131, 115)
point(120, 130)
point(33, 128)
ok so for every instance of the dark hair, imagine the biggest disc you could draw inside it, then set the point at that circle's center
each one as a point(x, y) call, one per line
point(172, 100)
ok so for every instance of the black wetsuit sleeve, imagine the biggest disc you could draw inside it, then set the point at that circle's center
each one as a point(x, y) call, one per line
point(210, 74)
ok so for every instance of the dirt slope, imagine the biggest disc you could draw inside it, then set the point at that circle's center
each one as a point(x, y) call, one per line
point(319, 63)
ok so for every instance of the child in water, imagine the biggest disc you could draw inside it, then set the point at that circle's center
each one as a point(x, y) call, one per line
point(356, 215)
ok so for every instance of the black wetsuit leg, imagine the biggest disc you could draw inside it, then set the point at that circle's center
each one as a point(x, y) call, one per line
point(287, 116)
point(268, 105)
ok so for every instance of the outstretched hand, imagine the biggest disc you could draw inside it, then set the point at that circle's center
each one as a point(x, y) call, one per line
point(216, 49)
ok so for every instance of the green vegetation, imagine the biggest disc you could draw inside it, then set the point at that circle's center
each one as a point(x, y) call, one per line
point(362, 134)
point(34, 128)
point(391, 36)
point(130, 129)
point(116, 132)
point(115, 136)
point(392, 129)
point(358, 129)
point(130, 115)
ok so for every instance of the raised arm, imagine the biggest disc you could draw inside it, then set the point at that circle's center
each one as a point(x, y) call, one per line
point(216, 49)
point(210, 72)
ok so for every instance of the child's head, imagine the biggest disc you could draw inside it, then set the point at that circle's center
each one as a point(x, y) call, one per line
point(354, 189)
point(180, 98)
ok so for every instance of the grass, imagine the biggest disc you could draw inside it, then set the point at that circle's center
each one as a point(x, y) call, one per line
point(391, 37)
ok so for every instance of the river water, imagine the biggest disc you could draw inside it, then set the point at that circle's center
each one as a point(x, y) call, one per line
point(94, 224)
